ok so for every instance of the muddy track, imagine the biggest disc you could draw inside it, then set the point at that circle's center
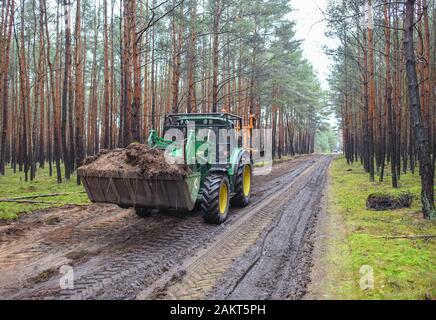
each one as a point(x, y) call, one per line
point(117, 255)
point(278, 266)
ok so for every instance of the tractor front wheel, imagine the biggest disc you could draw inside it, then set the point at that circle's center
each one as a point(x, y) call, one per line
point(216, 198)
point(242, 186)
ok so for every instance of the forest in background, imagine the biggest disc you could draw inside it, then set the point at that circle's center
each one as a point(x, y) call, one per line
point(80, 76)
point(383, 85)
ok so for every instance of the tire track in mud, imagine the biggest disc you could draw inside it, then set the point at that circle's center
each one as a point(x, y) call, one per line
point(199, 275)
point(22, 246)
point(124, 254)
point(46, 246)
point(279, 265)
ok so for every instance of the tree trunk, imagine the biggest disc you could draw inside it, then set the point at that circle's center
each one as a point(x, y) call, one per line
point(4, 84)
point(388, 97)
point(371, 84)
point(67, 73)
point(79, 101)
point(127, 74)
point(191, 99)
point(177, 47)
point(106, 101)
point(136, 104)
point(215, 53)
point(421, 138)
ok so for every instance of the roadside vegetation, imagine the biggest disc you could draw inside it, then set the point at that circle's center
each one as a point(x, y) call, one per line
point(12, 185)
point(381, 84)
point(403, 268)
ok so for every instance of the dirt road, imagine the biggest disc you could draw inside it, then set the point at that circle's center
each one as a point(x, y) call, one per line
point(263, 251)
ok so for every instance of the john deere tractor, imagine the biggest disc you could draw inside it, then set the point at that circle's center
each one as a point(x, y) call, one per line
point(220, 170)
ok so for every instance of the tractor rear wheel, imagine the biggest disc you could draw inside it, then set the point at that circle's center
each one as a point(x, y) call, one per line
point(143, 212)
point(242, 186)
point(215, 198)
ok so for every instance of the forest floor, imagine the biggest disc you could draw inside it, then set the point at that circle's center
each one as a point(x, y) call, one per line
point(356, 249)
point(13, 185)
point(263, 251)
point(306, 234)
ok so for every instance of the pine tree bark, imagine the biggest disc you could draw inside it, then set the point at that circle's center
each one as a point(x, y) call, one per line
point(65, 89)
point(421, 137)
point(25, 142)
point(371, 84)
point(136, 104)
point(79, 89)
point(177, 47)
point(153, 75)
point(53, 86)
point(191, 99)
point(215, 53)
point(388, 97)
point(427, 75)
point(4, 74)
point(106, 80)
point(127, 73)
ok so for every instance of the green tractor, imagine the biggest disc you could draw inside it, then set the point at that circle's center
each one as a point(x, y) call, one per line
point(220, 170)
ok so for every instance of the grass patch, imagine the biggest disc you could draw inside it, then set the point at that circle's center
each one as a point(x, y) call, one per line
point(402, 268)
point(13, 185)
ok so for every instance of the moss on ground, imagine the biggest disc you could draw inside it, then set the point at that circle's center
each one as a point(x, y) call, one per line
point(402, 268)
point(13, 185)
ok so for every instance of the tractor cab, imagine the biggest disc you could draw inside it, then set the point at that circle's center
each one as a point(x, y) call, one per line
point(213, 121)
point(218, 129)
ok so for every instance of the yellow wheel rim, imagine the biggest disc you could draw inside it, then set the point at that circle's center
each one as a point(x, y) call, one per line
point(224, 196)
point(246, 180)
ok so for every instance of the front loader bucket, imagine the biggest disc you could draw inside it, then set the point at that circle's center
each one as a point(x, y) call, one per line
point(132, 190)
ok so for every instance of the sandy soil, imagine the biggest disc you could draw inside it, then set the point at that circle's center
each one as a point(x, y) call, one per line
point(136, 158)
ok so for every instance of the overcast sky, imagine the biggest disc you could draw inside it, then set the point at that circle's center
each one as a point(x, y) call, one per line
point(310, 28)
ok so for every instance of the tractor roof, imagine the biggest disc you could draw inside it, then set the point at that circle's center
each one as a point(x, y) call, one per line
point(205, 116)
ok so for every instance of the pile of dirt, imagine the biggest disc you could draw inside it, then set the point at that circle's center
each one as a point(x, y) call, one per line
point(137, 158)
point(385, 201)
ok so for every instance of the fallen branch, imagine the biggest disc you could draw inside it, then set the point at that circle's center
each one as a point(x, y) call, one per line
point(39, 196)
point(46, 202)
point(423, 236)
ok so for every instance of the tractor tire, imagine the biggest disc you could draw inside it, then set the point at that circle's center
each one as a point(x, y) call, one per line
point(143, 212)
point(242, 186)
point(215, 198)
